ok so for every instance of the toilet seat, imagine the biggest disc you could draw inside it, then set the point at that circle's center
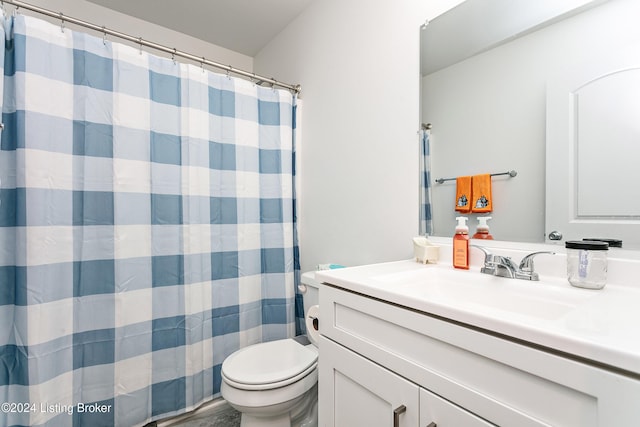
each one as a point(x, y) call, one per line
point(269, 365)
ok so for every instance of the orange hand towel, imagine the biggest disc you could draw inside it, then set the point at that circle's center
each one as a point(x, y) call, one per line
point(482, 200)
point(463, 194)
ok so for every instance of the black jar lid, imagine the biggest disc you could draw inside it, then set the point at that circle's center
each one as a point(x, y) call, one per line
point(587, 245)
point(613, 243)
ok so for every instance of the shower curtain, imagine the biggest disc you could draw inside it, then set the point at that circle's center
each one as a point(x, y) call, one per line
point(147, 228)
point(426, 223)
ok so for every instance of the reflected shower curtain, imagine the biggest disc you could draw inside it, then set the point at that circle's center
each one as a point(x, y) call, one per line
point(426, 223)
point(146, 228)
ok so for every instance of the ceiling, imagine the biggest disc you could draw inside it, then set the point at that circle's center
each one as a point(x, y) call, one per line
point(244, 26)
point(487, 24)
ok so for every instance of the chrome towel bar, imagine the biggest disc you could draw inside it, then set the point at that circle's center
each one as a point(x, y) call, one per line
point(511, 173)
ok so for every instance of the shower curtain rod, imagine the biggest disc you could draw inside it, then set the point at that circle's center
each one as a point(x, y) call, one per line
point(139, 40)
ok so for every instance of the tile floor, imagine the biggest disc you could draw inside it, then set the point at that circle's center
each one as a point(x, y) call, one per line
point(216, 415)
point(227, 418)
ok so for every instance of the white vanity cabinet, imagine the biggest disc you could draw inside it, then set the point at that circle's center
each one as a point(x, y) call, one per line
point(378, 357)
point(363, 393)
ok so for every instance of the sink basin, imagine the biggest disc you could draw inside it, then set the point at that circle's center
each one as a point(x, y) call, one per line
point(482, 292)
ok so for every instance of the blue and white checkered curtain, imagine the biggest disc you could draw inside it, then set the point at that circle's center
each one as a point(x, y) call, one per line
point(426, 224)
point(146, 228)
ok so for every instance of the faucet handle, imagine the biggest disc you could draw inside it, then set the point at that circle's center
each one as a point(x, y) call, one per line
point(526, 265)
point(488, 266)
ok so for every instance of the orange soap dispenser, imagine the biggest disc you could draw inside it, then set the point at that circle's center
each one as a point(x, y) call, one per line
point(482, 231)
point(461, 244)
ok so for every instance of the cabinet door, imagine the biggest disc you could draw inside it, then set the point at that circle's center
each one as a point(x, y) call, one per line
point(437, 412)
point(356, 392)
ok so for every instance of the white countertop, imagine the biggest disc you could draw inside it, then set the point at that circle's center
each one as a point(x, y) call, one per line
point(599, 325)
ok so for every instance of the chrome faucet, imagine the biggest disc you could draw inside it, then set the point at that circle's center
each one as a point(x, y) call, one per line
point(503, 266)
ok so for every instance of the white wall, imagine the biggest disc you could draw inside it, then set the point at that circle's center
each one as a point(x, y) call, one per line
point(358, 64)
point(98, 15)
point(489, 114)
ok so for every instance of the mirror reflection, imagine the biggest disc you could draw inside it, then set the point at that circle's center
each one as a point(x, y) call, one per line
point(487, 104)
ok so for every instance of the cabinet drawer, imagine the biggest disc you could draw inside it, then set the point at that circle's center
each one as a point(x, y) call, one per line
point(434, 409)
point(504, 382)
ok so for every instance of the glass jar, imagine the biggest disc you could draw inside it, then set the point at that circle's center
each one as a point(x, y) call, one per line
point(587, 263)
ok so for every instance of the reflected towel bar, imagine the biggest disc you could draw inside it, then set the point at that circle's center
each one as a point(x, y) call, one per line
point(511, 173)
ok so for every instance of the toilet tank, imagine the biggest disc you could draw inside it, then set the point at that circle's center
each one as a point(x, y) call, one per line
point(309, 287)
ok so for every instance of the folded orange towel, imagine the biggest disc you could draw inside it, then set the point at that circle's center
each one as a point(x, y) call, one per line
point(482, 200)
point(463, 194)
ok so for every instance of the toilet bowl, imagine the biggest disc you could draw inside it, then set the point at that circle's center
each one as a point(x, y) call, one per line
point(274, 384)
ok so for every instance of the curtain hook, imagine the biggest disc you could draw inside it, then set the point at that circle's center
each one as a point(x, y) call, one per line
point(140, 42)
point(104, 35)
point(229, 68)
point(173, 56)
point(61, 22)
point(202, 63)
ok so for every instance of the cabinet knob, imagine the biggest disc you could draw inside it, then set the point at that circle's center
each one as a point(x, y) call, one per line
point(396, 415)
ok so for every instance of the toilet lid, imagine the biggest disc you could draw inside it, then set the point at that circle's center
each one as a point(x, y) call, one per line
point(277, 362)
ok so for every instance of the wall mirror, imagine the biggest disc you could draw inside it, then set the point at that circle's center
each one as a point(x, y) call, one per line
point(495, 73)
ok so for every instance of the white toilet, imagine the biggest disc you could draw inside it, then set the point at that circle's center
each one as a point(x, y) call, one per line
point(275, 384)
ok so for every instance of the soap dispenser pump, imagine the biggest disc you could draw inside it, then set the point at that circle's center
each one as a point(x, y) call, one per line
point(482, 231)
point(461, 244)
